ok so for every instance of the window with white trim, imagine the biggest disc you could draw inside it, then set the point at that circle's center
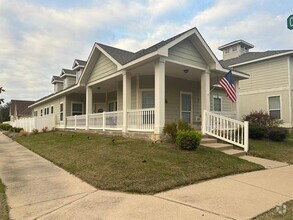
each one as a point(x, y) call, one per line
point(148, 99)
point(52, 109)
point(217, 103)
point(234, 48)
point(76, 108)
point(227, 50)
point(186, 107)
point(112, 106)
point(35, 113)
point(275, 106)
point(41, 112)
point(61, 111)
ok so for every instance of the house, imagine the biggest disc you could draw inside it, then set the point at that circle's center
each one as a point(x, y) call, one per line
point(140, 91)
point(270, 86)
point(20, 109)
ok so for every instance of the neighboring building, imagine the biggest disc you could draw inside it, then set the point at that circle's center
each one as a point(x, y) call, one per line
point(270, 86)
point(20, 109)
point(139, 91)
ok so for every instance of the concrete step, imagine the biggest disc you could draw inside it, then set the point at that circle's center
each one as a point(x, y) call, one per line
point(218, 146)
point(207, 140)
point(234, 152)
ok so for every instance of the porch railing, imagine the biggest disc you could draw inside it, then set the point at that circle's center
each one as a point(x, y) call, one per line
point(106, 120)
point(76, 122)
point(226, 129)
point(141, 119)
point(226, 114)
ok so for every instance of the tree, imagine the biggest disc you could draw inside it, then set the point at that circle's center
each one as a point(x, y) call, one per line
point(1, 99)
point(4, 112)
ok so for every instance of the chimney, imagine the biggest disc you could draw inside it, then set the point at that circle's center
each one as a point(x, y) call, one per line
point(235, 49)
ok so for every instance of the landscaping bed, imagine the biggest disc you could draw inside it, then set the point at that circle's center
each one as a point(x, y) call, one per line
point(117, 163)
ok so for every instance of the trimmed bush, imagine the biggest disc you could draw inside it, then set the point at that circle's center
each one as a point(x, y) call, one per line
point(15, 129)
point(23, 133)
point(278, 134)
point(181, 125)
point(35, 131)
point(188, 140)
point(5, 127)
point(171, 130)
point(45, 129)
point(257, 131)
point(262, 118)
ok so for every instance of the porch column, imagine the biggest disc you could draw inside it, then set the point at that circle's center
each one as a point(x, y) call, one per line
point(88, 105)
point(159, 96)
point(205, 96)
point(126, 98)
point(236, 106)
point(65, 112)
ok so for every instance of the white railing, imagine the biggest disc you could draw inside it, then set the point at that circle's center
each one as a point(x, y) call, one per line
point(226, 114)
point(226, 129)
point(106, 121)
point(141, 119)
point(76, 122)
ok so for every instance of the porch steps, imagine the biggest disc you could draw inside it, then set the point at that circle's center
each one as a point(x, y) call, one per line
point(223, 147)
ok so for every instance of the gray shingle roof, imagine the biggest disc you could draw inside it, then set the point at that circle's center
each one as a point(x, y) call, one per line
point(21, 107)
point(57, 78)
point(68, 71)
point(124, 56)
point(251, 56)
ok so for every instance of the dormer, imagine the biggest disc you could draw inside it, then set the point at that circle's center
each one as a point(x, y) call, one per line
point(78, 66)
point(235, 49)
point(69, 77)
point(58, 83)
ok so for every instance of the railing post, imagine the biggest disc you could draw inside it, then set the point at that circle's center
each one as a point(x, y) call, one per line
point(203, 122)
point(246, 136)
point(75, 122)
point(104, 121)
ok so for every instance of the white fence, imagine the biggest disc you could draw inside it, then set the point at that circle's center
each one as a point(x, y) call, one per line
point(76, 122)
point(28, 124)
point(226, 129)
point(141, 119)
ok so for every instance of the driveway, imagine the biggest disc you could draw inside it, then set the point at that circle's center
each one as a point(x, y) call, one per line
point(38, 189)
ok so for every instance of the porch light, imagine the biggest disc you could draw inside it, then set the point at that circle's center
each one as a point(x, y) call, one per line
point(186, 70)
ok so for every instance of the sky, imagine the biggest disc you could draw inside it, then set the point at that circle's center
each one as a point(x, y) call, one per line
point(39, 37)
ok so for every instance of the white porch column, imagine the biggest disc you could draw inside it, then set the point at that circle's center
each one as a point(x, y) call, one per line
point(235, 106)
point(126, 98)
point(205, 96)
point(159, 96)
point(88, 105)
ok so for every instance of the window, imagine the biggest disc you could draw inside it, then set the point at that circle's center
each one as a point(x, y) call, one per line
point(35, 113)
point(234, 48)
point(186, 109)
point(41, 112)
point(61, 111)
point(52, 109)
point(218, 104)
point(148, 99)
point(275, 107)
point(226, 50)
point(46, 111)
point(76, 109)
point(113, 106)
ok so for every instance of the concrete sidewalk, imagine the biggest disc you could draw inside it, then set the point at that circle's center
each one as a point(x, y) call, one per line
point(37, 189)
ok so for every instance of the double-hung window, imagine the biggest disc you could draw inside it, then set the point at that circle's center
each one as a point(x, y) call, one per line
point(275, 106)
point(217, 104)
point(186, 107)
point(61, 111)
point(76, 108)
point(113, 106)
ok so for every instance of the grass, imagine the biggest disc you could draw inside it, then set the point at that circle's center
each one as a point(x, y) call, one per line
point(280, 151)
point(132, 165)
point(273, 214)
point(4, 213)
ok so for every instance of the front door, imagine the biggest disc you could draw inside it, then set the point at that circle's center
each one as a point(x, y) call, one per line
point(186, 107)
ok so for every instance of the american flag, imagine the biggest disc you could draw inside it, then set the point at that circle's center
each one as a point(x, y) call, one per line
point(227, 83)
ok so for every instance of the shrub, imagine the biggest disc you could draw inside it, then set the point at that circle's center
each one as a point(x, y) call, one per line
point(45, 129)
point(262, 118)
point(171, 129)
point(23, 133)
point(5, 127)
point(15, 129)
point(35, 131)
point(257, 131)
point(278, 134)
point(188, 139)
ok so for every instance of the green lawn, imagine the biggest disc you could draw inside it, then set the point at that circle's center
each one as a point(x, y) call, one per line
point(280, 151)
point(4, 214)
point(132, 165)
point(273, 214)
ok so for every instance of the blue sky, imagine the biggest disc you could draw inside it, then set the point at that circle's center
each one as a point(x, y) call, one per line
point(39, 37)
